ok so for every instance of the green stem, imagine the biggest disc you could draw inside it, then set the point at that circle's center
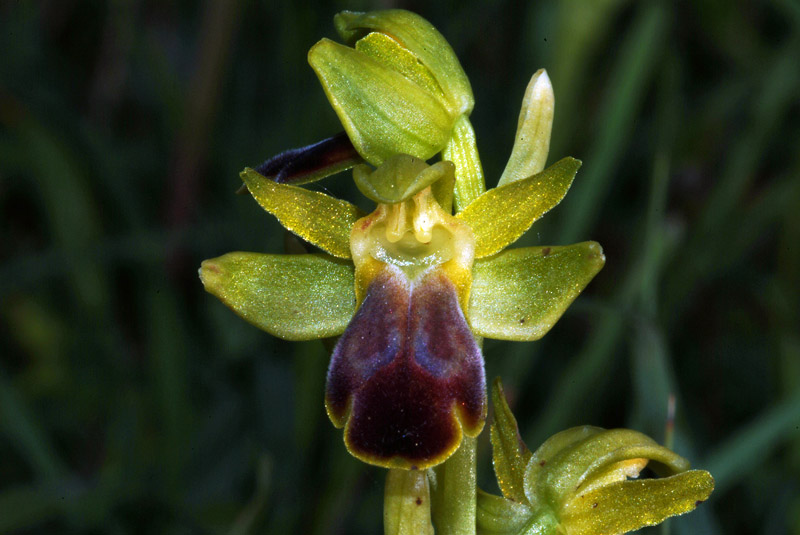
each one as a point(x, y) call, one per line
point(407, 503)
point(463, 152)
point(455, 492)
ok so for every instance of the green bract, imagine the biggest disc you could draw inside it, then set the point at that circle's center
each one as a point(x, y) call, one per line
point(398, 88)
point(580, 481)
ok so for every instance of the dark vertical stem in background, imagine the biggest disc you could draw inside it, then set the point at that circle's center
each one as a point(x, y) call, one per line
point(191, 146)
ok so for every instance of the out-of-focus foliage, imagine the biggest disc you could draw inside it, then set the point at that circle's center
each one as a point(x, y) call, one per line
point(130, 400)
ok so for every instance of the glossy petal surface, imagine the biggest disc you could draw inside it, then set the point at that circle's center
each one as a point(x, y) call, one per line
point(406, 378)
point(294, 297)
point(629, 505)
point(503, 214)
point(520, 293)
point(383, 112)
point(317, 218)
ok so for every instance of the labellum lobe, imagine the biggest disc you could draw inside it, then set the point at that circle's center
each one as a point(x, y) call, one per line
point(406, 378)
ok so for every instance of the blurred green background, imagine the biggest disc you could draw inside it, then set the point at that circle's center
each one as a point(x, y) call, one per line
point(133, 402)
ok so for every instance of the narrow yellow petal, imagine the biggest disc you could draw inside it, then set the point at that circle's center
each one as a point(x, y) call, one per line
point(503, 214)
point(461, 149)
point(317, 218)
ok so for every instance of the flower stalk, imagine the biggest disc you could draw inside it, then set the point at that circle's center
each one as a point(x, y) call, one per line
point(407, 503)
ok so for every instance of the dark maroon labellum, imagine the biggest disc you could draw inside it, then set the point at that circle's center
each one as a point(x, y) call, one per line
point(407, 374)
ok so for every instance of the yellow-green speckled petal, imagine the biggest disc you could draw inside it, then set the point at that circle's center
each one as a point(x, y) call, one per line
point(519, 294)
point(629, 505)
point(503, 214)
point(317, 218)
point(294, 297)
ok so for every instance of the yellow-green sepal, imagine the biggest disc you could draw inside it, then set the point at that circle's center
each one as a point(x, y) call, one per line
point(294, 297)
point(319, 219)
point(503, 214)
point(510, 456)
point(427, 46)
point(383, 112)
point(519, 294)
point(628, 505)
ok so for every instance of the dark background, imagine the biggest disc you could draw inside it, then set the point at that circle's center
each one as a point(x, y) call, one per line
point(133, 402)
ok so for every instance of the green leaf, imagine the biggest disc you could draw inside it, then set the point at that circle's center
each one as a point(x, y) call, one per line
point(317, 218)
point(520, 293)
point(503, 214)
point(629, 505)
point(294, 297)
point(383, 112)
point(509, 453)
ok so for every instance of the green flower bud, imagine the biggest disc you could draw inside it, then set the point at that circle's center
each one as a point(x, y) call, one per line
point(583, 481)
point(399, 90)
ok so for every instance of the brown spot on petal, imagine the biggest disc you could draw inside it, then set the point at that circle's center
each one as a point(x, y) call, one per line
point(407, 374)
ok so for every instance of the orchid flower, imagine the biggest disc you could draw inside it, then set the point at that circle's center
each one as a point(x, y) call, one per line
point(413, 287)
